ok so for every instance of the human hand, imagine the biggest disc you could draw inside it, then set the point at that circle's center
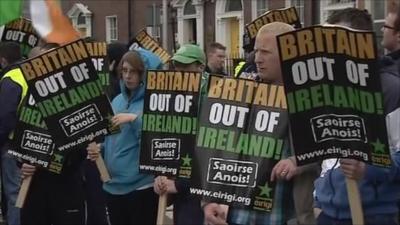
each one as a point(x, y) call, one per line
point(353, 169)
point(93, 151)
point(121, 118)
point(284, 169)
point(164, 185)
point(215, 214)
point(27, 170)
point(159, 186)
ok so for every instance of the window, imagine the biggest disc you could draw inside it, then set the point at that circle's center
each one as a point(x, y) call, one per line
point(262, 7)
point(233, 5)
point(153, 15)
point(81, 19)
point(378, 14)
point(111, 28)
point(153, 21)
point(328, 7)
point(299, 4)
point(189, 8)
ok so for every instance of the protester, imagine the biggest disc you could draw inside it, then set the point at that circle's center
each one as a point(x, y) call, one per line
point(216, 55)
point(390, 75)
point(379, 187)
point(268, 66)
point(55, 198)
point(391, 39)
point(13, 89)
point(247, 69)
point(187, 208)
point(130, 197)
point(95, 196)
point(115, 51)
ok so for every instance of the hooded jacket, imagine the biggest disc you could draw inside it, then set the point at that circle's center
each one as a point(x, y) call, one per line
point(380, 187)
point(121, 151)
point(379, 191)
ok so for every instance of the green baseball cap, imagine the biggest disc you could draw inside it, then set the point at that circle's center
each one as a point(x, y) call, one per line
point(189, 53)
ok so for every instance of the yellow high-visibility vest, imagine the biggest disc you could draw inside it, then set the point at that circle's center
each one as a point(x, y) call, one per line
point(17, 77)
point(238, 68)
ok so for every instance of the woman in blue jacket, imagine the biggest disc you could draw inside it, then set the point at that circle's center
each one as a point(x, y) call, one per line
point(130, 197)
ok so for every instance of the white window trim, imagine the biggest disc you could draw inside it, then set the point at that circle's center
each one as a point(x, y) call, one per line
point(108, 26)
point(199, 16)
point(288, 3)
point(368, 6)
point(325, 8)
point(254, 8)
point(73, 14)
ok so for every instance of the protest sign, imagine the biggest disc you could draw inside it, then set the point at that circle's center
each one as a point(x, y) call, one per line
point(69, 95)
point(32, 142)
point(20, 31)
point(144, 40)
point(98, 53)
point(334, 95)
point(169, 122)
point(287, 15)
point(242, 134)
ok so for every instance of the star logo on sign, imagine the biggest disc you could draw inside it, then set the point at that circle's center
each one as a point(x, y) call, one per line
point(186, 160)
point(109, 117)
point(58, 158)
point(378, 147)
point(265, 190)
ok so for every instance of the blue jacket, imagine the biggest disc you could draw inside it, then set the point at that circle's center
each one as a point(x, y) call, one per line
point(121, 150)
point(379, 191)
point(380, 188)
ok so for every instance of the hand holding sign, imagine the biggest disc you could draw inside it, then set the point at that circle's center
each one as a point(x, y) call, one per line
point(94, 155)
point(284, 169)
point(27, 170)
point(215, 214)
point(93, 151)
point(122, 118)
point(352, 169)
point(163, 185)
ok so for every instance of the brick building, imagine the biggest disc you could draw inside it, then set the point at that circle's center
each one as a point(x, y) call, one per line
point(199, 21)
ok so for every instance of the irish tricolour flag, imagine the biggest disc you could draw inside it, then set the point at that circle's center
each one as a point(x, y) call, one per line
point(47, 18)
point(10, 10)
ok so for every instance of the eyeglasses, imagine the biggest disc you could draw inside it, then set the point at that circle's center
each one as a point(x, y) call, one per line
point(388, 27)
point(130, 72)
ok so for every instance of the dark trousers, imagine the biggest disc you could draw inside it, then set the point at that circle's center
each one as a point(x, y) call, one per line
point(138, 207)
point(381, 219)
point(187, 210)
point(95, 196)
point(54, 200)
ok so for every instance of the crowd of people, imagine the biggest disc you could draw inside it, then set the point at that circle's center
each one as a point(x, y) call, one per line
point(311, 194)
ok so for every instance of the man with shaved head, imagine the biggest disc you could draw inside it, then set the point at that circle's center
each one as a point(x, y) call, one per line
point(269, 71)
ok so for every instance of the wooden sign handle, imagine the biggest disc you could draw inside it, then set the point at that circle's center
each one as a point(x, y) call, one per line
point(23, 191)
point(162, 205)
point(355, 202)
point(104, 175)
